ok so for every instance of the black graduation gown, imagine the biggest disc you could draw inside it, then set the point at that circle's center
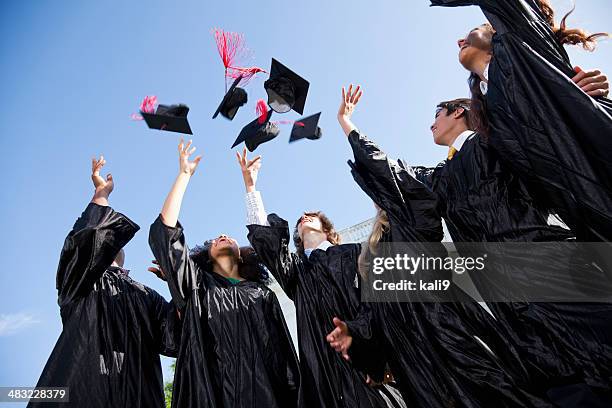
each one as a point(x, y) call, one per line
point(235, 350)
point(322, 287)
point(482, 201)
point(545, 128)
point(113, 327)
point(431, 346)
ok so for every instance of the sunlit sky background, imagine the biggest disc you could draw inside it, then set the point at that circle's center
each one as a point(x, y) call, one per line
point(73, 72)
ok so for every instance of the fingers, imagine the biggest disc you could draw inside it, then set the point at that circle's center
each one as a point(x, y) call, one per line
point(334, 335)
point(109, 177)
point(343, 94)
point(338, 323)
point(353, 96)
point(154, 270)
point(591, 79)
point(349, 93)
point(579, 76)
point(598, 92)
point(187, 146)
point(346, 356)
point(180, 146)
point(358, 97)
point(253, 161)
point(190, 152)
point(155, 261)
point(196, 161)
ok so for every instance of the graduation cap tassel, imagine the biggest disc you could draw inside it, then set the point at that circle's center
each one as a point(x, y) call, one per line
point(262, 111)
point(148, 105)
point(231, 48)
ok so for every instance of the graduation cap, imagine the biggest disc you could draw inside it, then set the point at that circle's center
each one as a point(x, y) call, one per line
point(286, 89)
point(306, 128)
point(172, 118)
point(257, 132)
point(232, 101)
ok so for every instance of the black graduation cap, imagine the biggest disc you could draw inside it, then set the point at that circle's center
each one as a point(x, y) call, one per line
point(232, 101)
point(256, 133)
point(172, 118)
point(306, 128)
point(286, 89)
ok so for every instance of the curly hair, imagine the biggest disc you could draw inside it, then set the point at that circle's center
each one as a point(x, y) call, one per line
point(564, 35)
point(250, 266)
point(328, 228)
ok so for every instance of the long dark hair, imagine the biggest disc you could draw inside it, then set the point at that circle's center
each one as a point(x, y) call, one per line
point(249, 267)
point(564, 35)
point(328, 228)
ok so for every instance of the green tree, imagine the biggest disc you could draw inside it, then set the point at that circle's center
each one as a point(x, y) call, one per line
point(169, 385)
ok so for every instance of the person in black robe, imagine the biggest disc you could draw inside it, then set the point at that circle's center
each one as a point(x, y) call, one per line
point(319, 279)
point(114, 328)
point(235, 349)
point(566, 348)
point(543, 126)
point(434, 353)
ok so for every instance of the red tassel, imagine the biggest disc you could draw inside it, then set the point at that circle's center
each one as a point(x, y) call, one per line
point(246, 73)
point(230, 46)
point(262, 111)
point(232, 49)
point(148, 105)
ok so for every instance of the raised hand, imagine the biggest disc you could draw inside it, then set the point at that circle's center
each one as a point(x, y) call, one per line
point(350, 99)
point(340, 339)
point(250, 169)
point(185, 165)
point(103, 186)
point(593, 82)
point(157, 270)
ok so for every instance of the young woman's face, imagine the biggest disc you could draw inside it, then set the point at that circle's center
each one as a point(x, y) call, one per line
point(475, 46)
point(309, 222)
point(224, 246)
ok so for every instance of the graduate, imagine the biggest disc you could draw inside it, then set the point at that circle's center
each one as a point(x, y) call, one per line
point(114, 328)
point(553, 134)
point(565, 348)
point(319, 278)
point(434, 354)
point(235, 350)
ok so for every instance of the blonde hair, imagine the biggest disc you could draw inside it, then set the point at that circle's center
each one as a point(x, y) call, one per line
point(381, 226)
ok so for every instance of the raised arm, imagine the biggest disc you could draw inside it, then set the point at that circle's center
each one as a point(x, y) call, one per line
point(166, 237)
point(256, 213)
point(393, 186)
point(94, 242)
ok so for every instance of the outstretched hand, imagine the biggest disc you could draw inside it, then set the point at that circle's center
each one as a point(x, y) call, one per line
point(350, 99)
point(185, 165)
point(593, 82)
point(103, 186)
point(157, 270)
point(250, 169)
point(340, 339)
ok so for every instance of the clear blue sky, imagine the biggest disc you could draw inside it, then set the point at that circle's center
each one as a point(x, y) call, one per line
point(73, 72)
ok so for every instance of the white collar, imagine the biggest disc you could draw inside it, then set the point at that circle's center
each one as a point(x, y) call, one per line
point(460, 140)
point(323, 246)
point(484, 86)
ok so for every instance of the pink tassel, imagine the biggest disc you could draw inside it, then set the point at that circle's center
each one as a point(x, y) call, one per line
point(230, 46)
point(246, 73)
point(232, 49)
point(262, 111)
point(148, 105)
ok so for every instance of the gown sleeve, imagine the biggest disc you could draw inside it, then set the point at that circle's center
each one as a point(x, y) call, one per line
point(169, 248)
point(89, 249)
point(525, 19)
point(167, 324)
point(271, 243)
point(395, 188)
